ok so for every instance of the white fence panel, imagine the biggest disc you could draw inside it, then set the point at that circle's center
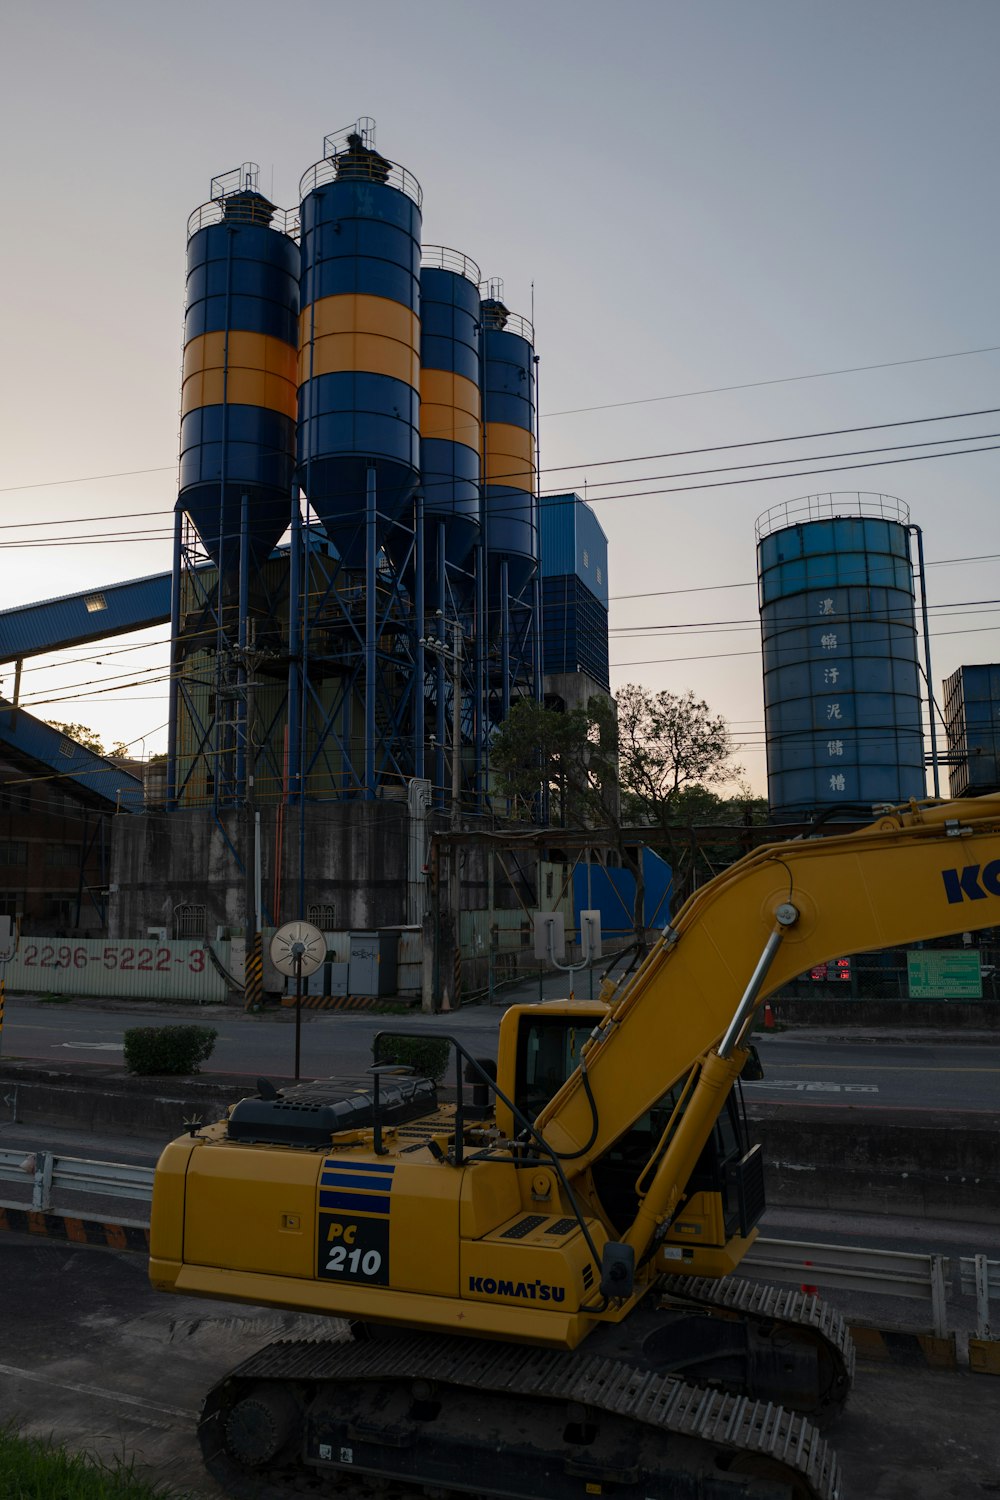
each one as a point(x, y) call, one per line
point(128, 969)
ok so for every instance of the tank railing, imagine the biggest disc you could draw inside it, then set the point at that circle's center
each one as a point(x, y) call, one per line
point(364, 127)
point(284, 220)
point(443, 258)
point(513, 323)
point(237, 180)
point(376, 169)
point(837, 505)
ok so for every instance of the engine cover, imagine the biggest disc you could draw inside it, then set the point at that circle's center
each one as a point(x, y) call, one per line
point(309, 1114)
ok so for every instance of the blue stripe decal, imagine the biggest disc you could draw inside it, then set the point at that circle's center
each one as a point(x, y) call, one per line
point(335, 1164)
point(352, 1180)
point(358, 1203)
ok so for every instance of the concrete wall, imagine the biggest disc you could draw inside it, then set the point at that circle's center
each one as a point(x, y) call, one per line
point(938, 1165)
point(355, 864)
point(946, 1015)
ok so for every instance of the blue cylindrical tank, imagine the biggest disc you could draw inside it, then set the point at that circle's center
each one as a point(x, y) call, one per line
point(451, 425)
point(238, 399)
point(842, 701)
point(359, 341)
point(509, 444)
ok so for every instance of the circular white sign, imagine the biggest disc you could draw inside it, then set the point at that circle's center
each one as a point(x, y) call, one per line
point(295, 943)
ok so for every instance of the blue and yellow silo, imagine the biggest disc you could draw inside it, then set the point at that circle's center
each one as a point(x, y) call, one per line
point(509, 448)
point(842, 695)
point(359, 339)
point(451, 425)
point(238, 400)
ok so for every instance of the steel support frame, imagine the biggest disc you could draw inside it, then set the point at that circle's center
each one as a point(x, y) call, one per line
point(219, 738)
point(375, 668)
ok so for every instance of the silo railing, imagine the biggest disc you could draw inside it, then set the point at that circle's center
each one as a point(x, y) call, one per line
point(376, 169)
point(837, 505)
point(443, 258)
point(284, 220)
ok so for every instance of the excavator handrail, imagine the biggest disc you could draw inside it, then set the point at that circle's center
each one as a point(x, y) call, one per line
point(488, 1153)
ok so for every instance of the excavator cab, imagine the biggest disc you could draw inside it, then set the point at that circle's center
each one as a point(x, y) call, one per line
point(541, 1046)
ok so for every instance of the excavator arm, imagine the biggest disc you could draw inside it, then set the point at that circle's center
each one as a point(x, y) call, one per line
point(923, 873)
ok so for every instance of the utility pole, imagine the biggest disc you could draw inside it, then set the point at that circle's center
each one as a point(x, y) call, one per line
point(456, 731)
point(253, 994)
point(454, 655)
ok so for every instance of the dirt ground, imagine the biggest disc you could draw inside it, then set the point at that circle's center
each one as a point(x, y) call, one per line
point(90, 1355)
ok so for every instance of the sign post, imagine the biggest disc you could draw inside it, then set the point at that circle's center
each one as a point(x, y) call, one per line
point(549, 929)
point(944, 974)
point(8, 947)
point(298, 949)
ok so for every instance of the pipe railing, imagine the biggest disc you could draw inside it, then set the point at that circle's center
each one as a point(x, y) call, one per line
point(919, 1277)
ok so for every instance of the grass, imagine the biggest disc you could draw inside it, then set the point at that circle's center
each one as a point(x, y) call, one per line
point(32, 1469)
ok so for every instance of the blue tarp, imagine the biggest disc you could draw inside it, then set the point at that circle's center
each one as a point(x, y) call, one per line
point(612, 893)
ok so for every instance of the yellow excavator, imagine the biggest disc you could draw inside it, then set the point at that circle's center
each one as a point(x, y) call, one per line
point(537, 1277)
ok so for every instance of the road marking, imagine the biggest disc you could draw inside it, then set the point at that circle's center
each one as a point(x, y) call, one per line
point(96, 1390)
point(882, 1068)
point(91, 1046)
point(801, 1085)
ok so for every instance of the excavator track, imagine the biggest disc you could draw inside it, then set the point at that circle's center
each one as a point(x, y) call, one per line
point(412, 1415)
point(804, 1314)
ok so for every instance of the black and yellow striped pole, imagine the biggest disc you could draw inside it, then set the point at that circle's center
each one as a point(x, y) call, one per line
point(253, 989)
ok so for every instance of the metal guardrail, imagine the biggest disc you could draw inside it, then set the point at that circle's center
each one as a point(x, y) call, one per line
point(49, 1173)
point(892, 1273)
point(889, 1273)
point(981, 1277)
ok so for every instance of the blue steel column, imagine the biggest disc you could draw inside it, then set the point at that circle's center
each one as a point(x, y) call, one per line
point(479, 676)
point(505, 636)
point(536, 607)
point(242, 720)
point(928, 674)
point(441, 724)
point(295, 655)
point(418, 636)
point(371, 683)
point(175, 662)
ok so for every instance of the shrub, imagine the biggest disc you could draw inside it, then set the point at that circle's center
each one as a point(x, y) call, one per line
point(168, 1049)
point(427, 1058)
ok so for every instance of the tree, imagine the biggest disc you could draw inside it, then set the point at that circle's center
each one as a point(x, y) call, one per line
point(571, 756)
point(81, 734)
point(672, 750)
point(538, 750)
point(652, 759)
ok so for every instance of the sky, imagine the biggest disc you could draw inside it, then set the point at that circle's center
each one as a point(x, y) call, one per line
point(708, 206)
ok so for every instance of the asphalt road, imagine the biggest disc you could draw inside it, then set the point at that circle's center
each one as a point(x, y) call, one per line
point(95, 1359)
point(863, 1071)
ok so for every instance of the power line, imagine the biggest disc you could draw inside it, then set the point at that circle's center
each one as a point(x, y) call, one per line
point(751, 583)
point(749, 385)
point(968, 437)
point(728, 655)
point(549, 469)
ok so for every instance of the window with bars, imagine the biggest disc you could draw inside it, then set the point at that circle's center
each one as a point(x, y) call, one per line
point(13, 852)
point(189, 920)
point(321, 916)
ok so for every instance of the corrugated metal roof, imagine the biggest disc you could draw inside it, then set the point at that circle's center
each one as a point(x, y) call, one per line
point(572, 540)
point(54, 755)
point(92, 615)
